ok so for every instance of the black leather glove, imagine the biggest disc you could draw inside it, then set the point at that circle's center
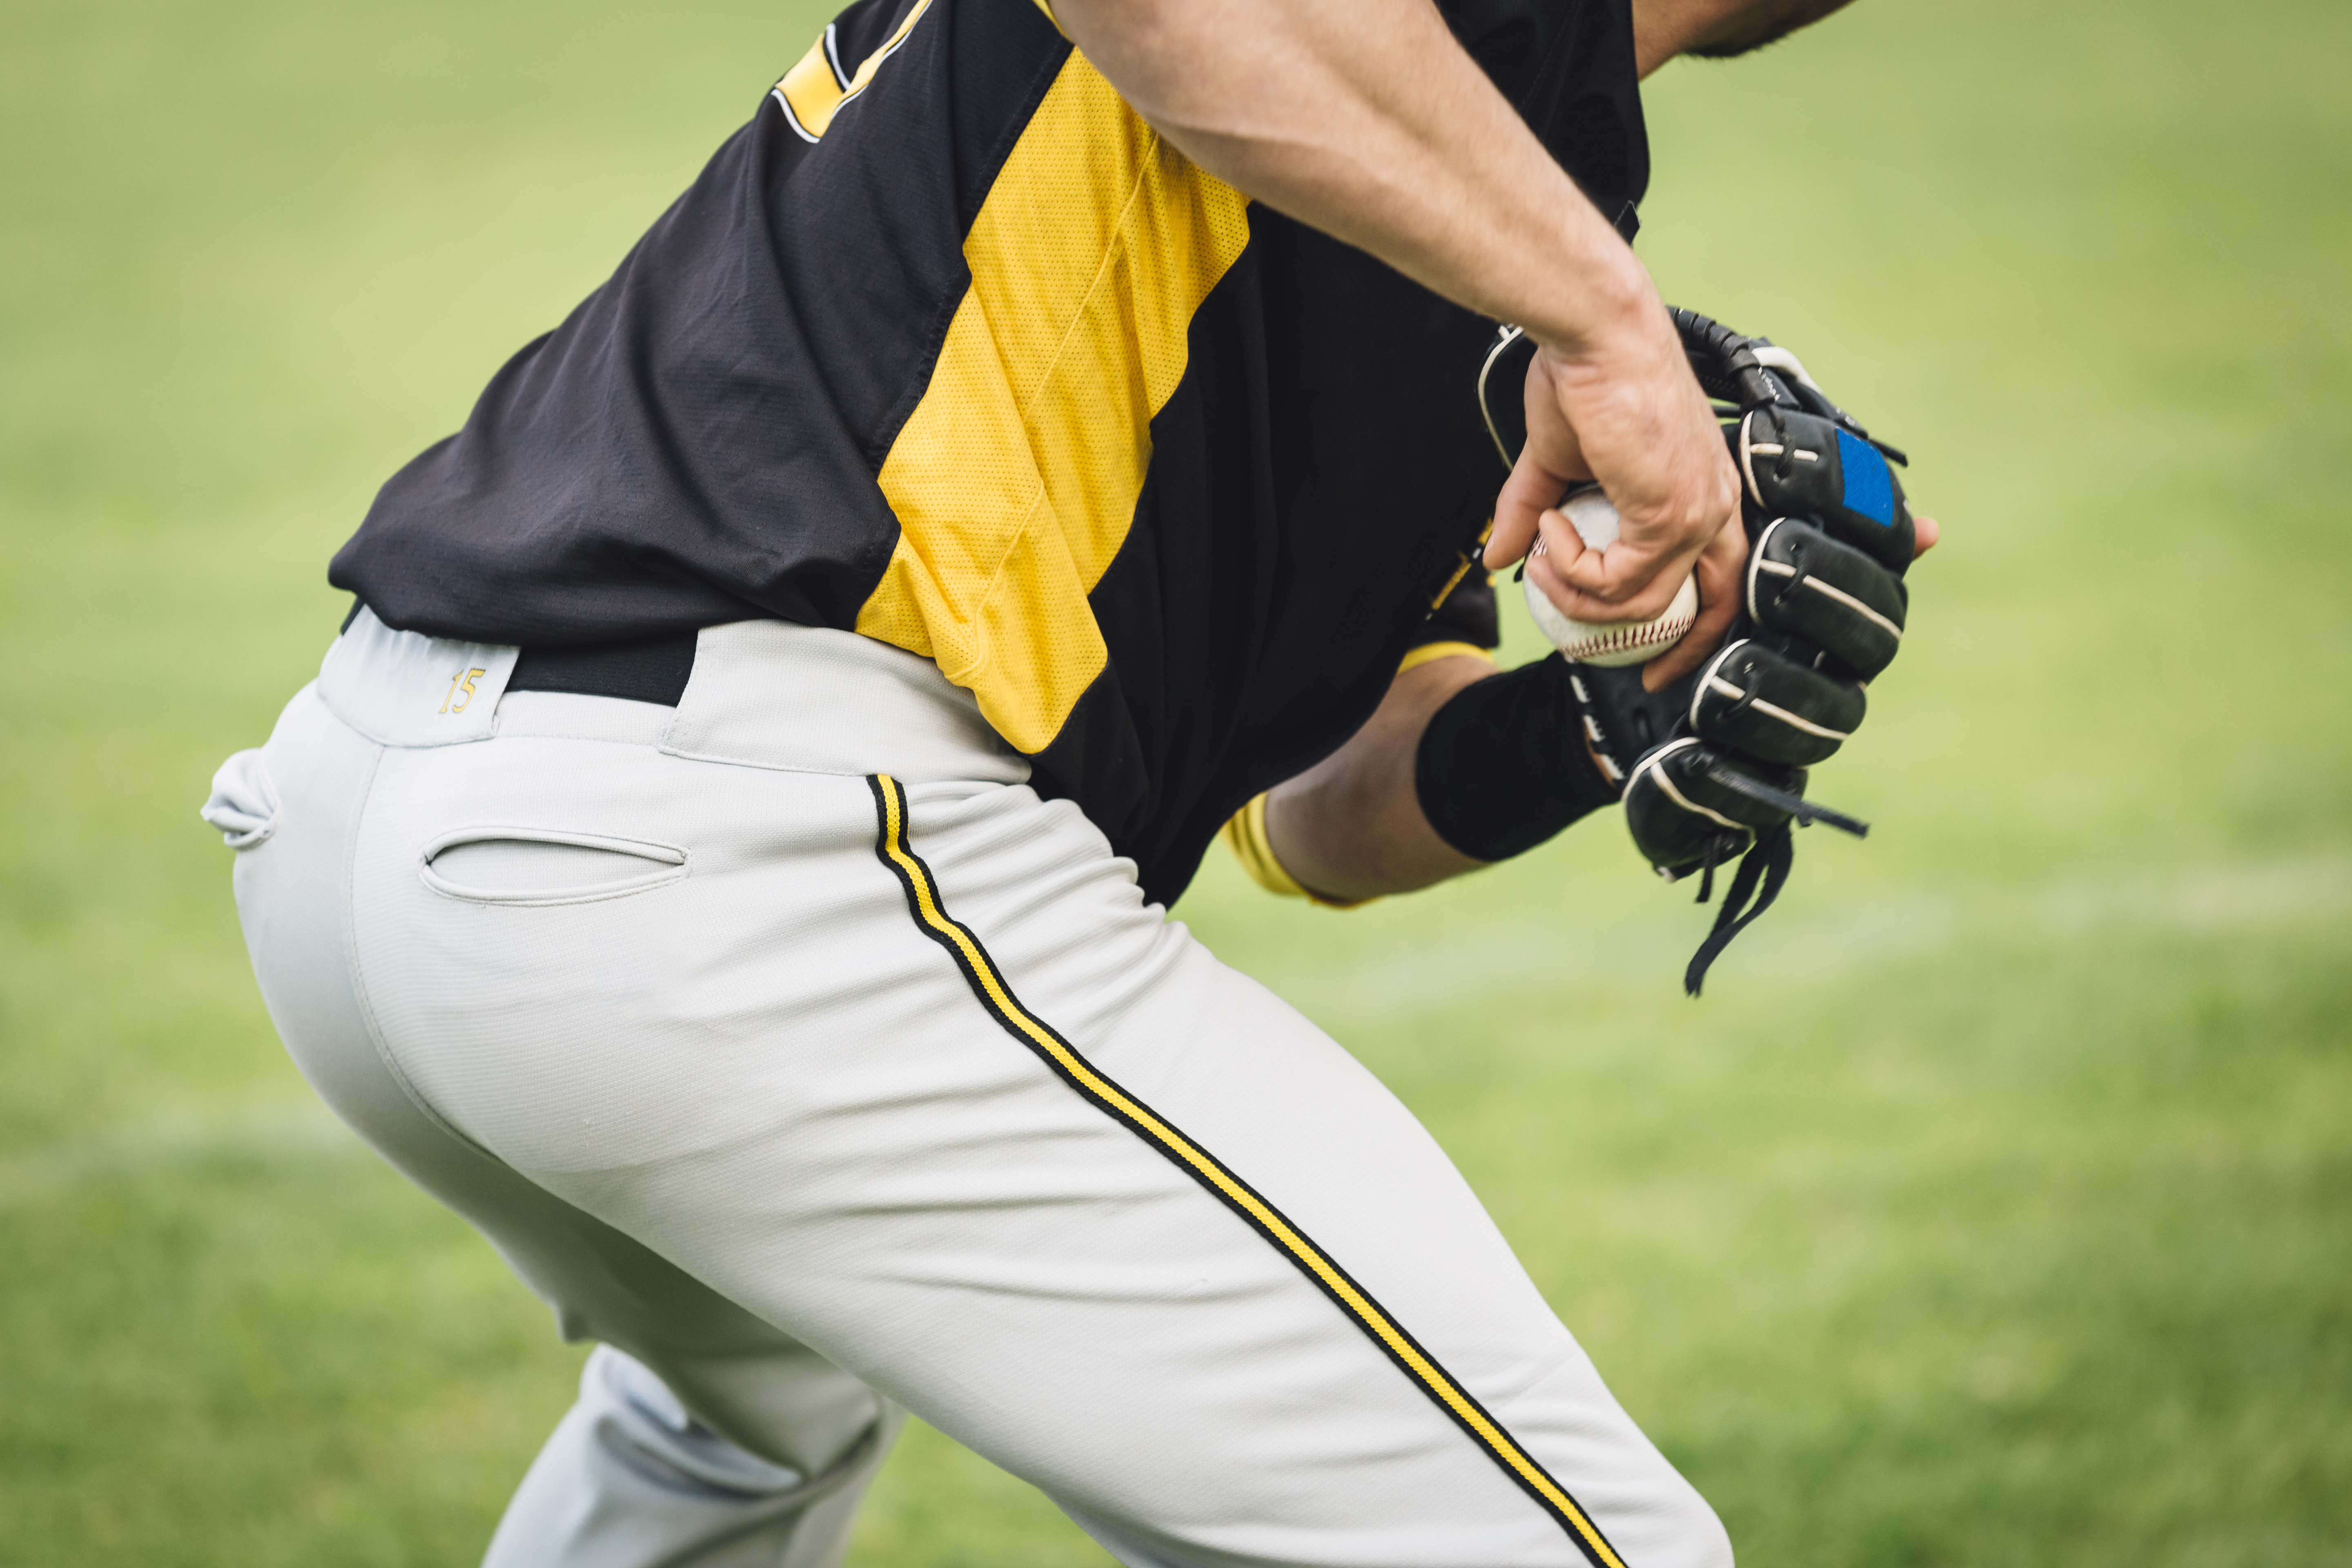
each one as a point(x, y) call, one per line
point(1713, 768)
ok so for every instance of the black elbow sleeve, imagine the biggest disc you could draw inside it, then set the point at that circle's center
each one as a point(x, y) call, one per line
point(1504, 766)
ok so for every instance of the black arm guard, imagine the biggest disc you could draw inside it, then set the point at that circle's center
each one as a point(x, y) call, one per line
point(1504, 765)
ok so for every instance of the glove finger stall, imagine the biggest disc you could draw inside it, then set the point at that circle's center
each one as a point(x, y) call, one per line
point(1803, 583)
point(1752, 700)
point(1801, 463)
point(1683, 796)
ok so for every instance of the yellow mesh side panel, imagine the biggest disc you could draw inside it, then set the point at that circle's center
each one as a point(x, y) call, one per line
point(1015, 478)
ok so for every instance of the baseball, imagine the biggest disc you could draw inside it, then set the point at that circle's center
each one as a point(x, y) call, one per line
point(1609, 644)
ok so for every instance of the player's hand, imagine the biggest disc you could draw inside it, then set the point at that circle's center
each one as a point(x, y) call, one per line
point(1626, 411)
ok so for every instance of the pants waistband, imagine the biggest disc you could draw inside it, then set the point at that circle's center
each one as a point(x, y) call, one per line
point(763, 694)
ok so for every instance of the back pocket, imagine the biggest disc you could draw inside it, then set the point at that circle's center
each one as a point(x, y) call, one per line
point(544, 866)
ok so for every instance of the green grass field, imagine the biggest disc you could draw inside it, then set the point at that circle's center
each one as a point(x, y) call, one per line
point(1995, 1207)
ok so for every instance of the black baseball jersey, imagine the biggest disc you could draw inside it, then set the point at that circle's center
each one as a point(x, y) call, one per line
point(947, 347)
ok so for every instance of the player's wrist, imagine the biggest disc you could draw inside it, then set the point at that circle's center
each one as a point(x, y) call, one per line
point(1602, 314)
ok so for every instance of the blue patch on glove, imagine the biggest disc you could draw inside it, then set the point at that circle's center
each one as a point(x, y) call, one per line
point(1869, 488)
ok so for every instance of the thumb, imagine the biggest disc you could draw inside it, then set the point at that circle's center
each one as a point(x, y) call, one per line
point(1519, 511)
point(1551, 461)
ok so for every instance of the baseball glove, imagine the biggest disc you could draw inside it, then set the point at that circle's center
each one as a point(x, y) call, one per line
point(1713, 768)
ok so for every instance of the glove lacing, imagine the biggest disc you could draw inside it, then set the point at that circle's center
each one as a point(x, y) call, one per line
point(1763, 871)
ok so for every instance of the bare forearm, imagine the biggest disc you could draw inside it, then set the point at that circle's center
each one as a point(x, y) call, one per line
point(1366, 120)
point(1351, 827)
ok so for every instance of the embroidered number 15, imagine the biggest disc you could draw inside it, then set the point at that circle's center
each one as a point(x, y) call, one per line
point(461, 690)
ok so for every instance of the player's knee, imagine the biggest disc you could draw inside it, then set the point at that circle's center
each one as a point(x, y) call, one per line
point(639, 1422)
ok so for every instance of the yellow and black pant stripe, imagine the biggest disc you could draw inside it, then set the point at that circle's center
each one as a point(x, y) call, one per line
point(989, 986)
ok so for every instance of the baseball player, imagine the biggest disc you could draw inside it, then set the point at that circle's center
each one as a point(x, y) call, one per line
point(724, 856)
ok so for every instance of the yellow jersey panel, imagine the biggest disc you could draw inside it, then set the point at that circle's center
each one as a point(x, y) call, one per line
point(1014, 479)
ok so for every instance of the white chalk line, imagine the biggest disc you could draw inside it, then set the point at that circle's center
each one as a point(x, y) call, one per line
point(2220, 900)
point(1589, 950)
point(175, 1137)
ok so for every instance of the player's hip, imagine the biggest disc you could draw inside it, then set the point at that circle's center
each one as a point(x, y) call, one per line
point(906, 1068)
point(550, 869)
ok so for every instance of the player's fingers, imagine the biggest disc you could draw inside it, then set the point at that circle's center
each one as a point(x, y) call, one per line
point(1510, 539)
point(1564, 599)
point(1577, 604)
point(1626, 582)
point(1718, 573)
point(1558, 546)
point(1925, 531)
point(1558, 541)
point(1519, 508)
point(1551, 461)
point(1535, 484)
point(1514, 531)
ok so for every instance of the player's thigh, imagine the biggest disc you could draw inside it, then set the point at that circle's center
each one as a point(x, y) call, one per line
point(1290, 1395)
point(958, 1111)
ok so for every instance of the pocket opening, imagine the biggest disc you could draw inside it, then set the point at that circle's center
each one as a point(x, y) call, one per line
point(508, 865)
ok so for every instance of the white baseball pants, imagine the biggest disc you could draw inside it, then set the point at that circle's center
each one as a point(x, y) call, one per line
point(788, 1042)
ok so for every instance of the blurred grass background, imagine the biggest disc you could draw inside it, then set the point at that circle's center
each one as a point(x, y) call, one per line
point(1994, 1207)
